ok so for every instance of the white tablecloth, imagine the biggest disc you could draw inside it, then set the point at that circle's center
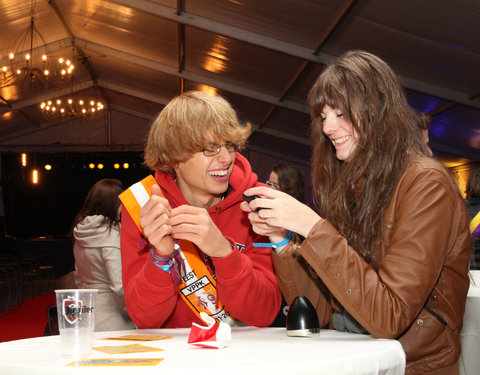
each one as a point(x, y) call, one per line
point(470, 334)
point(251, 351)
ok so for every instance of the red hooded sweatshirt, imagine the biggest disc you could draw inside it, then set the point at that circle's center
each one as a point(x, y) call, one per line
point(246, 283)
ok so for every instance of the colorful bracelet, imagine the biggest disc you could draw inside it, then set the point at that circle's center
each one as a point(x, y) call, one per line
point(164, 263)
point(276, 244)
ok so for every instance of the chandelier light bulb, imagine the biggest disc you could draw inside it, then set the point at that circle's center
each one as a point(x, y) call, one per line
point(59, 102)
point(27, 57)
point(49, 102)
point(60, 60)
point(62, 110)
point(68, 62)
point(11, 56)
point(46, 72)
point(4, 69)
point(42, 106)
point(84, 110)
point(70, 101)
point(19, 71)
point(44, 57)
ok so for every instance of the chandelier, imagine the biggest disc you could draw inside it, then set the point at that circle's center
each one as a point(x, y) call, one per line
point(72, 107)
point(29, 63)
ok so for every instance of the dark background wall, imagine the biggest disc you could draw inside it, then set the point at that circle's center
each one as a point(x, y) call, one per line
point(48, 207)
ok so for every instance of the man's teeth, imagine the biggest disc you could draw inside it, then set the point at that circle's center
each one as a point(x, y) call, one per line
point(218, 173)
point(340, 140)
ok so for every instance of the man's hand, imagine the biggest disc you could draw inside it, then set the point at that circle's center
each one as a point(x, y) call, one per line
point(154, 219)
point(195, 224)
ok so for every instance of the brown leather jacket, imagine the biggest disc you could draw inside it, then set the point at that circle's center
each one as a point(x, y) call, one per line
point(418, 294)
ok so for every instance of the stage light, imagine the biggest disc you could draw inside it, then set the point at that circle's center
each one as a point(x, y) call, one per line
point(91, 165)
point(100, 166)
point(35, 176)
point(48, 167)
point(24, 160)
point(116, 165)
point(126, 165)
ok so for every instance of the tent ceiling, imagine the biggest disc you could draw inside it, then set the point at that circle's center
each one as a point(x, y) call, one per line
point(263, 56)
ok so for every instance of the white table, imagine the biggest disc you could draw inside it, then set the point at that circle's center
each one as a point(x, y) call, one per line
point(470, 334)
point(251, 351)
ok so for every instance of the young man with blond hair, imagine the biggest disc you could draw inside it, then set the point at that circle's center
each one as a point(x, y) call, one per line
point(187, 246)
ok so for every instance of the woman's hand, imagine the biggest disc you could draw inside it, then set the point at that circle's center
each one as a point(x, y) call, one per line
point(278, 212)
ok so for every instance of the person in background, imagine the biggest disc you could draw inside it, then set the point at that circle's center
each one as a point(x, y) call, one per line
point(191, 231)
point(387, 246)
point(289, 179)
point(424, 124)
point(98, 263)
point(473, 208)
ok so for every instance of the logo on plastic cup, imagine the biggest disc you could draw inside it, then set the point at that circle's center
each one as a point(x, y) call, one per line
point(73, 309)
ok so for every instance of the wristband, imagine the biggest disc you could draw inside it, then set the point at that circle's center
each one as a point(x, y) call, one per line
point(276, 244)
point(164, 263)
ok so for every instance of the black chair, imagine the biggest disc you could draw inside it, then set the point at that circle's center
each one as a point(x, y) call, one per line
point(51, 327)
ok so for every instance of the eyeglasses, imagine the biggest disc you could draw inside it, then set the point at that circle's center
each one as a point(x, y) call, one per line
point(272, 185)
point(215, 149)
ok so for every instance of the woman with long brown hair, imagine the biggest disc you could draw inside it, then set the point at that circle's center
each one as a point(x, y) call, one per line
point(387, 245)
point(98, 262)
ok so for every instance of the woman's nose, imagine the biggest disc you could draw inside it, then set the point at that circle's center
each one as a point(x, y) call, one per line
point(328, 127)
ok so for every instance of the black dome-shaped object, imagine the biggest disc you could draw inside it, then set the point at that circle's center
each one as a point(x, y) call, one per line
point(302, 319)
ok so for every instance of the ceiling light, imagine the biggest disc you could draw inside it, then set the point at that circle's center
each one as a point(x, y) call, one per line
point(29, 62)
point(72, 107)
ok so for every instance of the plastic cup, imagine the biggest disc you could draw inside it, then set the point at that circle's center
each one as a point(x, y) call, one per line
point(76, 321)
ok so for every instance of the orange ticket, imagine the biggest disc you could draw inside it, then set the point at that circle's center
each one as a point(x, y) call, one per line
point(125, 349)
point(117, 362)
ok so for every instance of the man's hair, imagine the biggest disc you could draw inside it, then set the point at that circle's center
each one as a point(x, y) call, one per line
point(291, 180)
point(354, 195)
point(473, 183)
point(188, 124)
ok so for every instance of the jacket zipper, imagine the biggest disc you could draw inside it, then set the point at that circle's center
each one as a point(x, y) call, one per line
point(435, 315)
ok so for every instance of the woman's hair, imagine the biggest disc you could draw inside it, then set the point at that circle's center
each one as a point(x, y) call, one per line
point(354, 195)
point(102, 199)
point(291, 180)
point(187, 124)
point(473, 183)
